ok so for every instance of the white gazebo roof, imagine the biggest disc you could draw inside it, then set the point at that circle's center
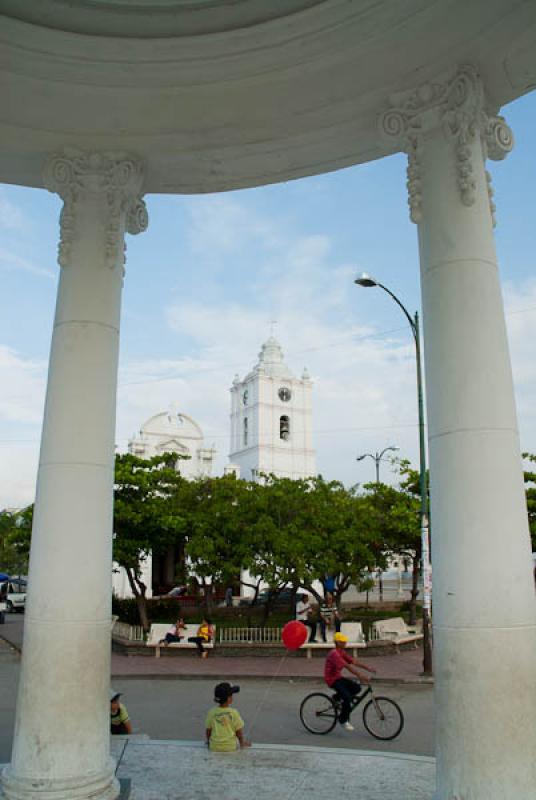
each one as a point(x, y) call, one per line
point(217, 95)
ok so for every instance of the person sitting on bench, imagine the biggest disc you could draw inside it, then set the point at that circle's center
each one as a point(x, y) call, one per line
point(205, 633)
point(173, 635)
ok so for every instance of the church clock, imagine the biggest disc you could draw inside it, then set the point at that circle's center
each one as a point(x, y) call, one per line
point(284, 394)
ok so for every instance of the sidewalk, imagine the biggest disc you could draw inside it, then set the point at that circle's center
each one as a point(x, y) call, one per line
point(403, 667)
point(154, 770)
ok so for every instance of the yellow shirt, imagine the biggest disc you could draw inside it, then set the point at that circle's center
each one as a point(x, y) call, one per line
point(120, 717)
point(204, 632)
point(223, 724)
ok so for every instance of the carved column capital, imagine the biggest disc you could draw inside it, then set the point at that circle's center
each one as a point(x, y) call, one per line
point(456, 103)
point(116, 177)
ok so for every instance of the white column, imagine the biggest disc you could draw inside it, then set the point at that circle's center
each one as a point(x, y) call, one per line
point(483, 595)
point(61, 744)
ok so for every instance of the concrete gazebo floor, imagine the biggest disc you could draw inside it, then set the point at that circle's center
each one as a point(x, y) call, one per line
point(181, 770)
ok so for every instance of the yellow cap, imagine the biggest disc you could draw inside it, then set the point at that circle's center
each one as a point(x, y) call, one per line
point(340, 637)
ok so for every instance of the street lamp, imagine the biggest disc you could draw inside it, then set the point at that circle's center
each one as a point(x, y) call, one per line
point(368, 282)
point(378, 458)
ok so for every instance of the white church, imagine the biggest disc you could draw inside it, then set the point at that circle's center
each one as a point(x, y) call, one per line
point(271, 432)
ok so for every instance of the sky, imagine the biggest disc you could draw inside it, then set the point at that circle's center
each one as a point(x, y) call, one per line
point(205, 281)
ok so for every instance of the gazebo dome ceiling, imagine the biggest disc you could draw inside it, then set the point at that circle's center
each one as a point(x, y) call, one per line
point(156, 19)
point(223, 94)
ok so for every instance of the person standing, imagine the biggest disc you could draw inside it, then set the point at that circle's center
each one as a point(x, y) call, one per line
point(338, 660)
point(304, 613)
point(229, 596)
point(329, 616)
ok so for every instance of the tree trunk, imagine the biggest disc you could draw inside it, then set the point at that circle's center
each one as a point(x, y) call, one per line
point(138, 590)
point(208, 597)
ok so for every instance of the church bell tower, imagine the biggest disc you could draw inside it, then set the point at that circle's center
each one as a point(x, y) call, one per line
point(271, 420)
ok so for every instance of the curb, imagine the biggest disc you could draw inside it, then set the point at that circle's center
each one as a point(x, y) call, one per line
point(231, 676)
point(11, 644)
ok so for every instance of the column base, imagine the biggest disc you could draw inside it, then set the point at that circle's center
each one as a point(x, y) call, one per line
point(103, 786)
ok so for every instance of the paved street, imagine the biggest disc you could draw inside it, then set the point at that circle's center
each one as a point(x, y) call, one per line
point(175, 709)
point(9, 673)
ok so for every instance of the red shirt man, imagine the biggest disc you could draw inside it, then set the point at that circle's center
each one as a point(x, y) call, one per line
point(334, 665)
point(346, 688)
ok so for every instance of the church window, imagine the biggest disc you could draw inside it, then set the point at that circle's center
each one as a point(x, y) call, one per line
point(284, 428)
point(245, 431)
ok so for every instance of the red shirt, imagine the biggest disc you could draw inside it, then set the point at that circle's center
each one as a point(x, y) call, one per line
point(334, 665)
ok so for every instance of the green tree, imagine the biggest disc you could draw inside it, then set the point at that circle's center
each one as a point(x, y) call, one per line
point(530, 491)
point(148, 515)
point(307, 530)
point(216, 545)
point(395, 517)
point(15, 538)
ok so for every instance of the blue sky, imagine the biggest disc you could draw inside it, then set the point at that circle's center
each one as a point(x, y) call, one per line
point(212, 271)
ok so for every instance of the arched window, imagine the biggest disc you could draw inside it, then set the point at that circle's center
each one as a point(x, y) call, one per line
point(284, 428)
point(245, 431)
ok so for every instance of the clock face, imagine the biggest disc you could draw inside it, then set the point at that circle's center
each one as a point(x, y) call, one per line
point(245, 397)
point(284, 394)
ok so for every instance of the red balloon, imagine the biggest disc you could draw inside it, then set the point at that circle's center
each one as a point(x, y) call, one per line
point(294, 634)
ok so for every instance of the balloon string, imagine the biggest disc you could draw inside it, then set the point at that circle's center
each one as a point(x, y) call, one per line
point(260, 705)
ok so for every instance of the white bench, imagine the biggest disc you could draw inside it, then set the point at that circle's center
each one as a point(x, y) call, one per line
point(395, 630)
point(354, 632)
point(158, 632)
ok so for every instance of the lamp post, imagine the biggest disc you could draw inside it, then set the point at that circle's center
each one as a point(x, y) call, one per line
point(378, 458)
point(368, 282)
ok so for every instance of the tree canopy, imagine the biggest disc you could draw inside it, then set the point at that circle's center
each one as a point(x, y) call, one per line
point(15, 538)
point(148, 514)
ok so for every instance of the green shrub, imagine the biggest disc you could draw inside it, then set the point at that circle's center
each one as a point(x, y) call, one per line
point(126, 609)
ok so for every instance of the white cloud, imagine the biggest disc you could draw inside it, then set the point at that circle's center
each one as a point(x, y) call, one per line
point(520, 305)
point(220, 225)
point(21, 412)
point(23, 382)
point(11, 216)
point(12, 262)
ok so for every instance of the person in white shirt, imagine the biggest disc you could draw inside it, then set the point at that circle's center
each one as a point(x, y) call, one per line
point(304, 613)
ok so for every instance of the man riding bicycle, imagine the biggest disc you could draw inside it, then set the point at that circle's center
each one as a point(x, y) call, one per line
point(337, 660)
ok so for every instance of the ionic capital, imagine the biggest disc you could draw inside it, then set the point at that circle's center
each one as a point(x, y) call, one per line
point(455, 103)
point(116, 177)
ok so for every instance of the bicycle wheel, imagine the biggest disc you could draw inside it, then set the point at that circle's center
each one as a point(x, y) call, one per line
point(383, 718)
point(318, 714)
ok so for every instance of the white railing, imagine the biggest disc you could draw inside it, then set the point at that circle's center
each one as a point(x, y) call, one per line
point(133, 633)
point(251, 635)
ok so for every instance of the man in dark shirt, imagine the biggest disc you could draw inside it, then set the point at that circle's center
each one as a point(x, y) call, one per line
point(337, 660)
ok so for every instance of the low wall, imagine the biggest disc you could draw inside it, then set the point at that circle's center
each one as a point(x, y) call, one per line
point(239, 650)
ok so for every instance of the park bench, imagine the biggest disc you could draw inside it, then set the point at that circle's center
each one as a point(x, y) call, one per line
point(354, 632)
point(158, 632)
point(395, 630)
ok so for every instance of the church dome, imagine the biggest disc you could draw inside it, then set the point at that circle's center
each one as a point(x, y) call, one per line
point(174, 425)
point(175, 432)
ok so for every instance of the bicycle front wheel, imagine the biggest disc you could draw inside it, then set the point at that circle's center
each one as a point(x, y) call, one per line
point(318, 714)
point(383, 718)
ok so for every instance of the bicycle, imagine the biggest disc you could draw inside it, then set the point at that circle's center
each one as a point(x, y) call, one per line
point(382, 717)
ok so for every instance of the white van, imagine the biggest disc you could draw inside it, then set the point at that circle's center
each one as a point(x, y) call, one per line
point(14, 591)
